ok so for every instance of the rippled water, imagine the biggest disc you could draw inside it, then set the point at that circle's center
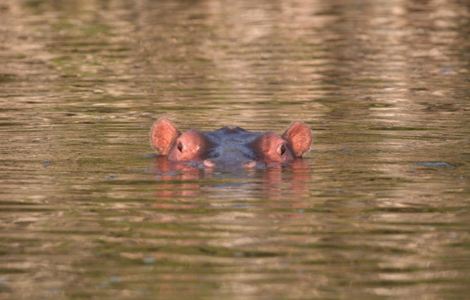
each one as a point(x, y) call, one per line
point(378, 209)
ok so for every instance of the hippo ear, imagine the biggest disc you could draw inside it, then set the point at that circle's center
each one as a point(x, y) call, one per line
point(163, 135)
point(299, 138)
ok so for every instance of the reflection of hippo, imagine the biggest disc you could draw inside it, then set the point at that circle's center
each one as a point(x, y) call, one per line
point(230, 146)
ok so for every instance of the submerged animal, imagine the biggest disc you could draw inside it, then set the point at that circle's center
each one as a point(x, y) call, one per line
point(230, 146)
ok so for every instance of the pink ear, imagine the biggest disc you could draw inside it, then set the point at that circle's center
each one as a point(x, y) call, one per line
point(163, 135)
point(299, 137)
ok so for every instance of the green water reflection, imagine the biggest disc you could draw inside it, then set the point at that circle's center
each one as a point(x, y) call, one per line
point(378, 210)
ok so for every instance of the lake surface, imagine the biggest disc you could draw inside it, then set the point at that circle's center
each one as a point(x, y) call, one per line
point(380, 208)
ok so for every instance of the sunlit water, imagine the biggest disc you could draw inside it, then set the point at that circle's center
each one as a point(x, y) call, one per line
point(379, 208)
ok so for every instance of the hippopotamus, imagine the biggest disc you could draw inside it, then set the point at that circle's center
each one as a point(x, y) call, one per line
point(230, 147)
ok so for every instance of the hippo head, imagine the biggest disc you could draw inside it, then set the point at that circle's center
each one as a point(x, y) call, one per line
point(230, 146)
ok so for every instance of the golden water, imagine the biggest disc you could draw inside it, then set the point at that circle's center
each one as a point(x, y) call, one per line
point(378, 209)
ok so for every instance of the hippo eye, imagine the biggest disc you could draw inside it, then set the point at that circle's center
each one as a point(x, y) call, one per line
point(180, 146)
point(282, 149)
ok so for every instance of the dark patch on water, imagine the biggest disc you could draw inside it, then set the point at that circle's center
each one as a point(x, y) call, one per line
point(436, 164)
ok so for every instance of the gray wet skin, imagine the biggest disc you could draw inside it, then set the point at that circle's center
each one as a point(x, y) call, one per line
point(230, 146)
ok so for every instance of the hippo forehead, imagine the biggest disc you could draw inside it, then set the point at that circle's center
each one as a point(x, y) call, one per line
point(231, 143)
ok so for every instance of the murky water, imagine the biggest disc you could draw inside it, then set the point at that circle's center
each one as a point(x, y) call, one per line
point(380, 208)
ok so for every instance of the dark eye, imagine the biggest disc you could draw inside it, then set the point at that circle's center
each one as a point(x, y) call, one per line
point(180, 146)
point(282, 150)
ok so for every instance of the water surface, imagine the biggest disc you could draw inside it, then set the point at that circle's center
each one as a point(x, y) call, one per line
point(378, 209)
